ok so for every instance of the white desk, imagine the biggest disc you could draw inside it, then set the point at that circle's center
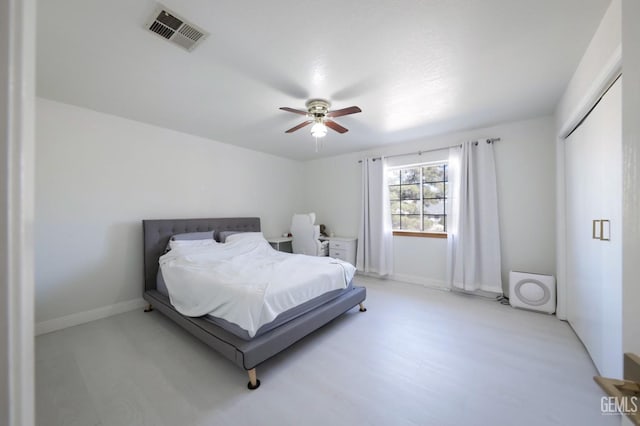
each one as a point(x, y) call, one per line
point(343, 248)
point(276, 242)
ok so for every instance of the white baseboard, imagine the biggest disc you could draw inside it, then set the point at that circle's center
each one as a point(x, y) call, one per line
point(55, 324)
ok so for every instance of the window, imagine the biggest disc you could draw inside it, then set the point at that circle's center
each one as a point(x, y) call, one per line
point(418, 196)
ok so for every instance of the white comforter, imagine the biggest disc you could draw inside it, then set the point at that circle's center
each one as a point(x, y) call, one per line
point(247, 282)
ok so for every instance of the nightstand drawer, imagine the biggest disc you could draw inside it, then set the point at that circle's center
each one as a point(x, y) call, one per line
point(339, 244)
point(338, 254)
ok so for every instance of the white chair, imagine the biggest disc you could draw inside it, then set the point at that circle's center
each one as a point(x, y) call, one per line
point(305, 236)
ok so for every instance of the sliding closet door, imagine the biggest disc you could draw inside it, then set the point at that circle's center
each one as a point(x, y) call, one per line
point(594, 235)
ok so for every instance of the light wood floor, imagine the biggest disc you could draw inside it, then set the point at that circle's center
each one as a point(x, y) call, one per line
point(417, 357)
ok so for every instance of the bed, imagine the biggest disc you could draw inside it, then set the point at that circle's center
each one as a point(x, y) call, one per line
point(247, 354)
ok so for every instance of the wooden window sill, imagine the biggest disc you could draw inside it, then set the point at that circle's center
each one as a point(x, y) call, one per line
point(419, 234)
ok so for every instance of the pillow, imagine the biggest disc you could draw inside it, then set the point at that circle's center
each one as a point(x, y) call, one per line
point(208, 235)
point(191, 243)
point(188, 236)
point(225, 234)
point(244, 236)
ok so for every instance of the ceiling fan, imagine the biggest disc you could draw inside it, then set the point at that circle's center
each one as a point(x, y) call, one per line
point(318, 113)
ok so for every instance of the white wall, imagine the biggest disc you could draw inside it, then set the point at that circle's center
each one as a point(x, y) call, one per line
point(631, 176)
point(98, 176)
point(525, 161)
point(7, 325)
point(602, 50)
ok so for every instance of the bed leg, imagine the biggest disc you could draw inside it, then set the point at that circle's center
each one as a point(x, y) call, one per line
point(149, 308)
point(362, 308)
point(254, 383)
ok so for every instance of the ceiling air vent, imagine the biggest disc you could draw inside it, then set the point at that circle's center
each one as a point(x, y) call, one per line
point(172, 27)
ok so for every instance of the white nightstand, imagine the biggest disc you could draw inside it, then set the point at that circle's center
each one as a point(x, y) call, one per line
point(281, 243)
point(343, 248)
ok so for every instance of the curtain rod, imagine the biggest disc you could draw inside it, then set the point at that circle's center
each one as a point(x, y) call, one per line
point(492, 140)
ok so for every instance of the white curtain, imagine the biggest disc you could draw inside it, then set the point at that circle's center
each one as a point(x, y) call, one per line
point(375, 238)
point(473, 246)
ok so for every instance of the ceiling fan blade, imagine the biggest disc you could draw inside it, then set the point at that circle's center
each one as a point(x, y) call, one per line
point(295, 111)
point(299, 126)
point(344, 111)
point(335, 126)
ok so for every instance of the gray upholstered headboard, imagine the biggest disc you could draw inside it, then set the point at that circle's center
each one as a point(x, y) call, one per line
point(158, 232)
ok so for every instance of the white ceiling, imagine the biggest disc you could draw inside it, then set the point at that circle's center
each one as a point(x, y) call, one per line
point(415, 67)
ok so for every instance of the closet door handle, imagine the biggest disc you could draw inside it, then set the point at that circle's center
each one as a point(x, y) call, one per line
point(603, 229)
point(596, 226)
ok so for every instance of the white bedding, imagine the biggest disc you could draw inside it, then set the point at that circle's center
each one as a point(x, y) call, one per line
point(246, 281)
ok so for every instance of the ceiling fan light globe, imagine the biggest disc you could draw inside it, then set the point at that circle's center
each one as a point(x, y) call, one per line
point(318, 130)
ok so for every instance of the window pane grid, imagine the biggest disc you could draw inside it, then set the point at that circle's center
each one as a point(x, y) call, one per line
point(418, 196)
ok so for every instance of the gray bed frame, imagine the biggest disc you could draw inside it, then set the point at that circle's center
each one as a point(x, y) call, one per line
point(244, 353)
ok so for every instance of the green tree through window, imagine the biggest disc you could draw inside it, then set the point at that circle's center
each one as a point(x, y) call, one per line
point(418, 196)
